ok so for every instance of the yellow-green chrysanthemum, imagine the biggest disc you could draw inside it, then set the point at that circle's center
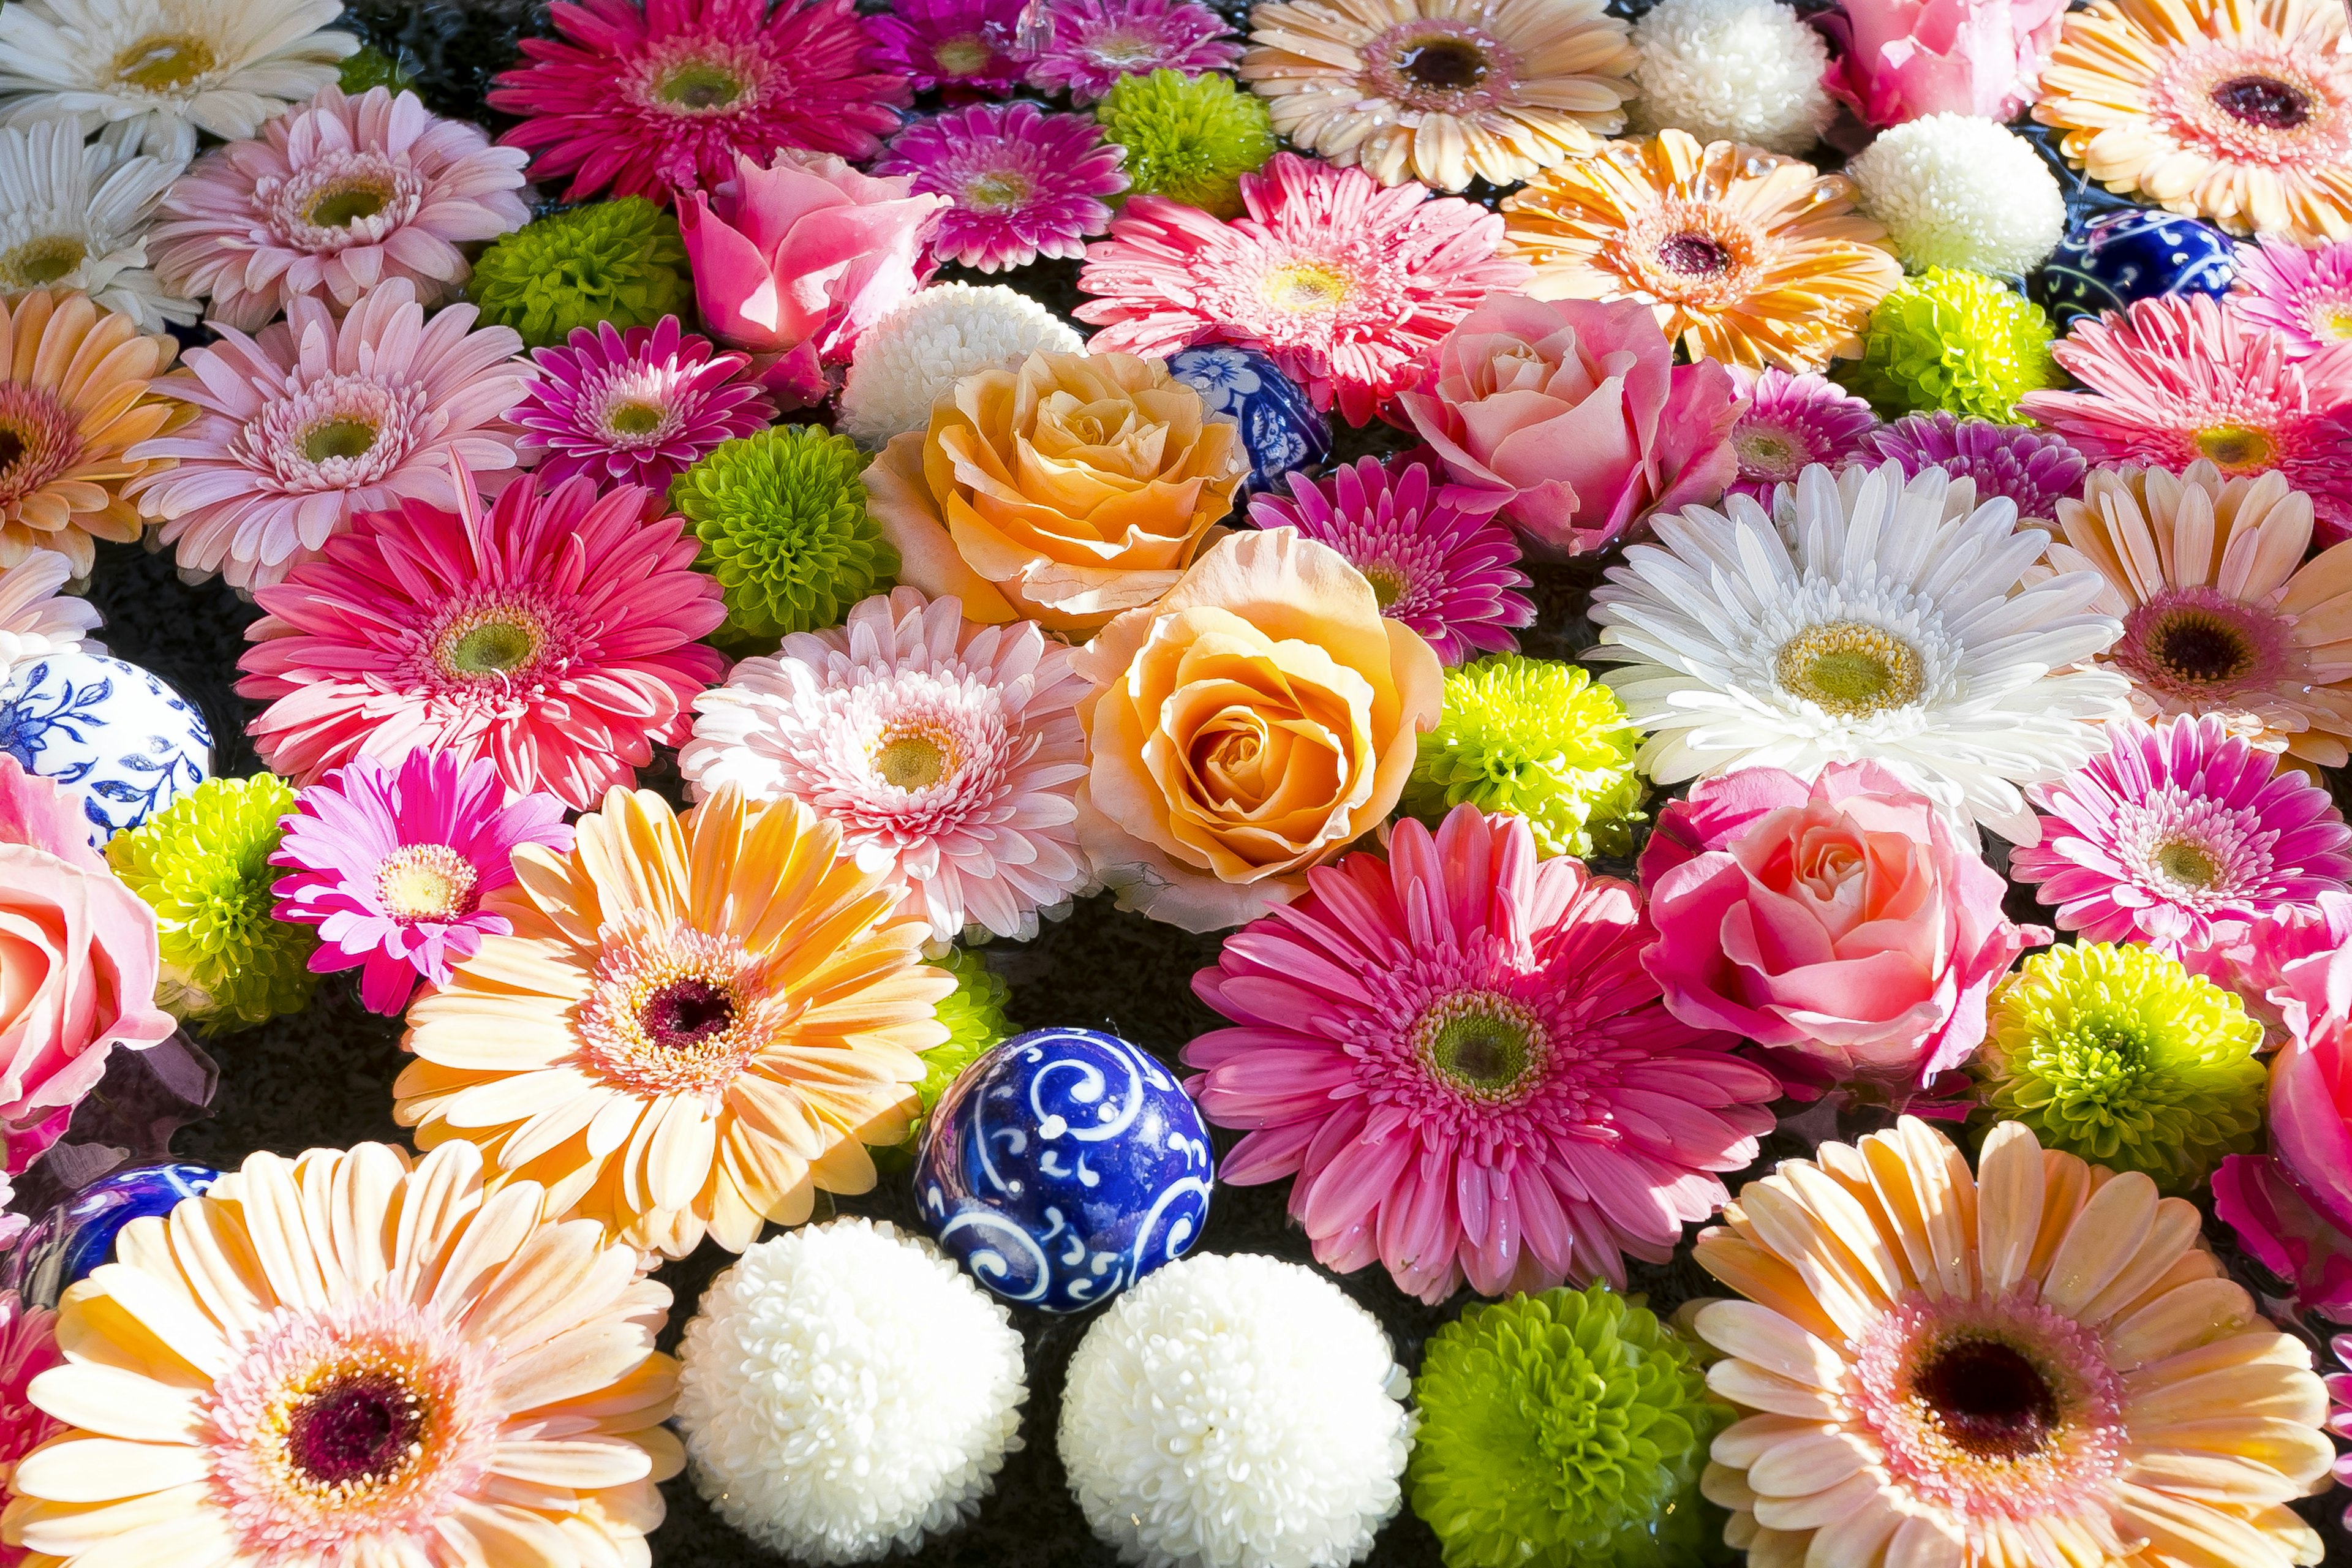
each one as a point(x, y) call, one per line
point(1955, 342)
point(1537, 737)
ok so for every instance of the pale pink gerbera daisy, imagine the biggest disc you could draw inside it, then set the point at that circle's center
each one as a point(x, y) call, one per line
point(1094, 43)
point(36, 620)
point(392, 866)
point(947, 751)
point(1025, 183)
point(554, 634)
point(2179, 378)
point(332, 200)
point(2304, 296)
point(1457, 1053)
point(2182, 835)
point(654, 99)
point(1346, 285)
point(636, 408)
point(968, 48)
point(316, 420)
point(1791, 423)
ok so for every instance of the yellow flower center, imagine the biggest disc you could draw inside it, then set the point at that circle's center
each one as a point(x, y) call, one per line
point(341, 438)
point(1484, 1045)
point(2186, 865)
point(340, 207)
point(41, 261)
point(967, 54)
point(1850, 668)
point(698, 86)
point(426, 882)
point(162, 61)
point(1305, 286)
point(914, 760)
point(2234, 445)
point(2333, 321)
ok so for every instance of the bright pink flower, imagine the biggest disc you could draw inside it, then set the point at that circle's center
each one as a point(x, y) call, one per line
point(554, 634)
point(1094, 43)
point(1025, 183)
point(966, 46)
point(2281, 1229)
point(1575, 411)
point(1790, 423)
point(29, 1347)
point(2032, 467)
point(316, 421)
point(1455, 1051)
point(332, 199)
point(392, 866)
point(2304, 296)
point(1845, 921)
point(636, 408)
point(664, 98)
point(1900, 59)
point(792, 261)
point(2339, 1412)
point(2293, 1211)
point(2253, 961)
point(1346, 285)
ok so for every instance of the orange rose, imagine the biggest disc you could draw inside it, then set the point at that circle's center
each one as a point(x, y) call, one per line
point(1255, 722)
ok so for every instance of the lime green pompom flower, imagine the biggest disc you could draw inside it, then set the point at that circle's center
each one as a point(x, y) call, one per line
point(1955, 342)
point(783, 520)
point(975, 1015)
point(1537, 737)
point(620, 261)
point(1190, 139)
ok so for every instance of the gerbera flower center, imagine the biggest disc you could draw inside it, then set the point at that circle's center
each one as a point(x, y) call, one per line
point(426, 882)
point(1433, 64)
point(354, 1430)
point(488, 644)
point(2232, 446)
point(674, 1010)
point(1388, 583)
point(1306, 286)
point(1449, 65)
point(1988, 1397)
point(685, 1013)
point(1693, 255)
point(1115, 47)
point(635, 418)
point(2264, 101)
point(1485, 1045)
point(1770, 454)
point(966, 54)
point(2196, 645)
point(914, 760)
point(37, 440)
point(1850, 668)
point(998, 190)
point(2184, 864)
point(344, 437)
point(42, 260)
point(698, 86)
point(162, 61)
point(340, 207)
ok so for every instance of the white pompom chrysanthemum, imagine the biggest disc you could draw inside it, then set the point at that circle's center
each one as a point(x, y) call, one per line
point(1235, 1412)
point(1732, 70)
point(1953, 190)
point(844, 1390)
point(904, 361)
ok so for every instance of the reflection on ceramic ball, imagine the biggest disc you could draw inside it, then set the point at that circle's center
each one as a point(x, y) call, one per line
point(77, 1236)
point(1279, 423)
point(1062, 1166)
point(113, 736)
point(2140, 254)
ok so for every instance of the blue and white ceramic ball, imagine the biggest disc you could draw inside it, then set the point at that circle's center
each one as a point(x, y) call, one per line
point(77, 1235)
point(1064, 1166)
point(109, 733)
point(1280, 424)
point(2136, 254)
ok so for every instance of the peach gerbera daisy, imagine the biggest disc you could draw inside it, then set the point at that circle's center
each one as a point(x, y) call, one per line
point(2236, 111)
point(2038, 1365)
point(1746, 257)
point(74, 397)
point(352, 1358)
point(695, 1023)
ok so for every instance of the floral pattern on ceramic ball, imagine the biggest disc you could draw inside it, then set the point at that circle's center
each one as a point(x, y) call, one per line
point(111, 734)
point(2108, 261)
point(1280, 424)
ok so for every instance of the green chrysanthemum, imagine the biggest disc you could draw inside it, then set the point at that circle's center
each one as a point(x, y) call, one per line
point(1537, 737)
point(1190, 139)
point(1959, 342)
point(975, 1015)
point(1565, 1430)
point(2121, 1056)
point(202, 864)
point(619, 261)
point(782, 516)
point(372, 67)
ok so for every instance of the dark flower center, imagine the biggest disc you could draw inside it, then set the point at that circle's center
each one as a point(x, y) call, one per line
point(161, 62)
point(1991, 1399)
point(358, 1427)
point(2264, 101)
point(1449, 65)
point(685, 1013)
point(338, 438)
point(1693, 255)
point(11, 449)
point(2202, 648)
point(2234, 445)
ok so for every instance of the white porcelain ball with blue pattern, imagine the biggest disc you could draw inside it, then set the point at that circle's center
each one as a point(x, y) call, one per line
point(1281, 428)
point(2108, 261)
point(110, 734)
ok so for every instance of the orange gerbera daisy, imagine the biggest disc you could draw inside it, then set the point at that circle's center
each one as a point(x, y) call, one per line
point(695, 1023)
point(1746, 257)
point(73, 397)
point(2237, 111)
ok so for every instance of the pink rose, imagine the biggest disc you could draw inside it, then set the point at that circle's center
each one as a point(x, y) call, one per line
point(2255, 961)
point(1899, 59)
point(792, 261)
point(2284, 1231)
point(1845, 921)
point(1576, 411)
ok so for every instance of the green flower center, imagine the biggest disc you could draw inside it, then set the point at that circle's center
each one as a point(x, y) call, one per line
point(967, 54)
point(698, 86)
point(1388, 583)
point(1850, 668)
point(1486, 1046)
point(42, 260)
point(1303, 286)
point(426, 882)
point(161, 62)
point(911, 761)
point(2186, 865)
point(1990, 1398)
point(1769, 452)
point(2234, 445)
point(341, 207)
point(997, 191)
point(2264, 101)
point(1447, 65)
point(685, 1013)
point(342, 437)
point(635, 418)
point(490, 648)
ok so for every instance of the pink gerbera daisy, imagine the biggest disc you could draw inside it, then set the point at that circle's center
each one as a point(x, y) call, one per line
point(949, 750)
point(1025, 183)
point(1457, 1053)
point(970, 47)
point(1346, 285)
point(1443, 567)
point(636, 408)
point(2182, 835)
point(1792, 421)
point(554, 634)
point(2035, 470)
point(655, 101)
point(392, 866)
point(2304, 296)
point(2177, 378)
point(1094, 43)
point(29, 1347)
point(332, 199)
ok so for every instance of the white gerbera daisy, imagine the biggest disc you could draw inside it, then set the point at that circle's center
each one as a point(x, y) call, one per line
point(950, 331)
point(1866, 617)
point(1953, 190)
point(171, 67)
point(73, 215)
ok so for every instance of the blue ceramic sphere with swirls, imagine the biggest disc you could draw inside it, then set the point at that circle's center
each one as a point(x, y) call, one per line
point(2136, 254)
point(77, 1235)
point(118, 740)
point(1064, 1166)
point(1280, 424)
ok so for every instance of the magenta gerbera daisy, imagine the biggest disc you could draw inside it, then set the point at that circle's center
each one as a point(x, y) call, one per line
point(970, 47)
point(1025, 183)
point(1442, 566)
point(1457, 1053)
point(1096, 42)
point(554, 634)
point(29, 1347)
point(654, 101)
point(1346, 285)
point(1791, 422)
point(2179, 378)
point(2035, 470)
point(636, 408)
point(392, 866)
point(2304, 296)
point(2182, 835)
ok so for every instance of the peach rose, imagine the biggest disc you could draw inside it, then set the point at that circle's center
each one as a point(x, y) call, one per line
point(1255, 722)
point(1068, 491)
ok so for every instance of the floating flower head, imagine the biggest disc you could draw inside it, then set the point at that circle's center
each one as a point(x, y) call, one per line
point(73, 217)
point(655, 99)
point(370, 1359)
point(2236, 111)
point(2031, 1365)
point(391, 865)
point(2032, 467)
point(726, 997)
point(1023, 183)
point(332, 199)
point(1092, 45)
point(1432, 1042)
point(304, 428)
point(1188, 138)
point(945, 751)
point(1746, 257)
point(620, 262)
point(2302, 295)
point(1540, 739)
point(1443, 93)
point(1955, 342)
point(915, 355)
point(965, 47)
point(636, 408)
point(1789, 424)
point(1346, 285)
point(782, 516)
point(1731, 70)
point(554, 633)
